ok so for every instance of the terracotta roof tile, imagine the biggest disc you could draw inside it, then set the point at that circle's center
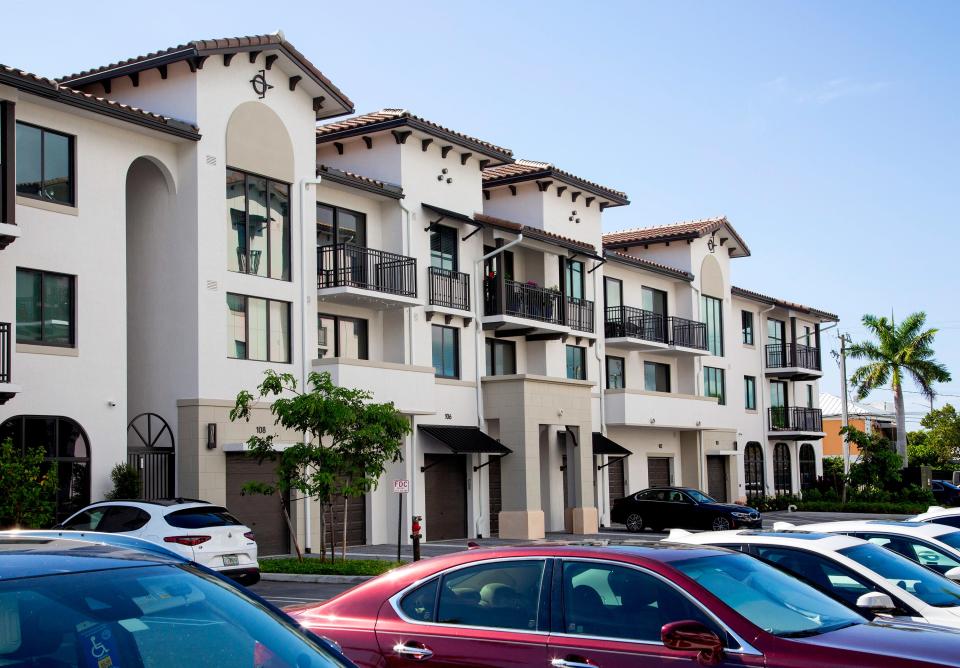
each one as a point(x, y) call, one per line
point(534, 232)
point(675, 231)
point(643, 262)
point(523, 170)
point(365, 182)
point(773, 301)
point(393, 117)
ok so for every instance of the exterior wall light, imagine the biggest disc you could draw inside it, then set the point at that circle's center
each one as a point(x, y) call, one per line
point(211, 435)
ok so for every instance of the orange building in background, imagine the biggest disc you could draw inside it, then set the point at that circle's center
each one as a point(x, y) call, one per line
point(868, 418)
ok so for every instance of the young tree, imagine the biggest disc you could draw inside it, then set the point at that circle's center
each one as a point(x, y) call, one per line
point(126, 482)
point(28, 488)
point(899, 350)
point(878, 465)
point(938, 444)
point(348, 441)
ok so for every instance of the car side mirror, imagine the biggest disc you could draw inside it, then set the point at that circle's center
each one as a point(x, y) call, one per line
point(953, 574)
point(876, 601)
point(688, 635)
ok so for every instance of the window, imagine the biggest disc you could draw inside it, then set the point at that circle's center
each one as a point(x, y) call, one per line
point(340, 226)
point(123, 518)
point(45, 164)
point(612, 292)
point(746, 323)
point(443, 248)
point(807, 336)
point(574, 279)
point(911, 577)
point(654, 301)
point(711, 310)
point(819, 571)
point(750, 393)
point(656, 377)
point(576, 362)
point(714, 385)
point(421, 604)
point(778, 404)
point(202, 517)
point(88, 520)
point(493, 264)
point(776, 331)
point(808, 466)
point(7, 168)
point(754, 470)
point(46, 312)
point(610, 601)
point(339, 336)
point(501, 357)
point(258, 329)
point(503, 595)
point(446, 351)
point(782, 470)
point(258, 240)
point(615, 373)
point(809, 396)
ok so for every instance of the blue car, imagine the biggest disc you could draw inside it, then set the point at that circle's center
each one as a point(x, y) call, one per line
point(945, 492)
point(101, 601)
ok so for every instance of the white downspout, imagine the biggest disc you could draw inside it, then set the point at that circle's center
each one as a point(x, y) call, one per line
point(601, 381)
point(406, 243)
point(308, 533)
point(761, 347)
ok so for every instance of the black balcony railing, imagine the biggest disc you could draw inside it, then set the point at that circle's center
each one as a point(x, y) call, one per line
point(5, 352)
point(687, 333)
point(449, 288)
point(795, 418)
point(797, 355)
point(580, 314)
point(634, 323)
point(523, 301)
point(347, 265)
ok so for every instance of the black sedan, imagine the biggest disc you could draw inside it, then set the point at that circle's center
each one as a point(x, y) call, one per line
point(662, 508)
point(945, 492)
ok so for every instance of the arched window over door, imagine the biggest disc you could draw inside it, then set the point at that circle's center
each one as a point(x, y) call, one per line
point(808, 466)
point(66, 446)
point(782, 474)
point(753, 469)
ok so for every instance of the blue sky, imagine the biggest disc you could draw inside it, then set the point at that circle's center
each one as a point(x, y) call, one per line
point(827, 132)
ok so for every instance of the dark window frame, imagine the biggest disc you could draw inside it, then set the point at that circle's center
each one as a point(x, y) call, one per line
point(336, 222)
point(746, 325)
point(714, 324)
point(336, 332)
point(607, 280)
point(754, 473)
point(580, 276)
point(750, 393)
point(782, 469)
point(73, 308)
point(583, 362)
point(657, 365)
point(246, 326)
point(288, 223)
point(807, 466)
point(438, 231)
point(456, 348)
point(718, 376)
point(8, 162)
point(71, 161)
point(489, 345)
point(623, 371)
point(656, 294)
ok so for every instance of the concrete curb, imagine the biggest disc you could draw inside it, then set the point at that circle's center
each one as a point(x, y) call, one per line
point(315, 579)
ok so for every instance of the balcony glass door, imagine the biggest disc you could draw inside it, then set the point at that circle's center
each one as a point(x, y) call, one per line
point(654, 301)
point(574, 279)
point(778, 404)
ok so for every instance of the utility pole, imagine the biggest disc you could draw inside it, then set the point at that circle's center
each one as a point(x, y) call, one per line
point(844, 416)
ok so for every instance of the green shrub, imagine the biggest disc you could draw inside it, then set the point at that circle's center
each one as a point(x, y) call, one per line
point(899, 508)
point(317, 567)
point(28, 488)
point(917, 494)
point(126, 483)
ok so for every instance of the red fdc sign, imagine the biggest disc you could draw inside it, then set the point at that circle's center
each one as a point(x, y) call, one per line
point(401, 486)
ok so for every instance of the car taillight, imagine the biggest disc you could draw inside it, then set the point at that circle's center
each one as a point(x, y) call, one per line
point(189, 541)
point(250, 535)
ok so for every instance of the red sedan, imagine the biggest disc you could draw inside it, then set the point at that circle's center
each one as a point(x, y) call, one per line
point(581, 607)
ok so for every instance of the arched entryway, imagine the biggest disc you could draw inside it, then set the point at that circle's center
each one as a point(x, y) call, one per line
point(753, 469)
point(150, 450)
point(782, 471)
point(808, 466)
point(67, 448)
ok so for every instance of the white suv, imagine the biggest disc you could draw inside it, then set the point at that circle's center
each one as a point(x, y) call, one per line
point(200, 531)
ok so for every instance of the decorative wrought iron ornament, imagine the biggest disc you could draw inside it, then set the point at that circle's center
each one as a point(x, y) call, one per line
point(260, 85)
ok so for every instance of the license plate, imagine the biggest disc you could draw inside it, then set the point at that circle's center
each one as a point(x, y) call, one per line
point(231, 560)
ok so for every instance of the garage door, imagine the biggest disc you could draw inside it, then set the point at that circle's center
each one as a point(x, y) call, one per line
point(658, 471)
point(496, 497)
point(717, 478)
point(356, 520)
point(445, 481)
point(263, 514)
point(615, 480)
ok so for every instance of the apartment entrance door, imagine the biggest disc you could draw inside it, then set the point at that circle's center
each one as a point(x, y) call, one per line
point(717, 477)
point(658, 471)
point(445, 482)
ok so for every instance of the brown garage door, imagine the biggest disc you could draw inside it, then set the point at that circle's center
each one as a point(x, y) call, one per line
point(445, 480)
point(658, 471)
point(616, 480)
point(356, 520)
point(496, 498)
point(717, 478)
point(263, 514)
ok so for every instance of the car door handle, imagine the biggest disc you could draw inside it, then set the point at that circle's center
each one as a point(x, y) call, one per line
point(413, 650)
point(572, 662)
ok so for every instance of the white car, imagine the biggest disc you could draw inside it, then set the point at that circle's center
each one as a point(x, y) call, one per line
point(935, 546)
point(861, 574)
point(939, 515)
point(202, 532)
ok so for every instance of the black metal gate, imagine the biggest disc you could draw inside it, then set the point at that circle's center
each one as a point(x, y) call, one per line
point(151, 450)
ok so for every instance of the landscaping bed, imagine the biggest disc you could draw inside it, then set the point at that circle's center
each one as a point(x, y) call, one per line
point(871, 507)
point(314, 566)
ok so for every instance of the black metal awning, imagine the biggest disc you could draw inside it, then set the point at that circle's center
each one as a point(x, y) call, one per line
point(453, 215)
point(604, 446)
point(465, 440)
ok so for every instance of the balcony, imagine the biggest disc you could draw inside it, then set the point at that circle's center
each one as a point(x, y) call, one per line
point(638, 329)
point(795, 423)
point(360, 276)
point(687, 336)
point(792, 360)
point(410, 388)
point(449, 289)
point(7, 388)
point(661, 410)
point(580, 314)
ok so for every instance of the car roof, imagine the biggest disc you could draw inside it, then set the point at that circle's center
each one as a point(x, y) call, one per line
point(163, 506)
point(920, 529)
point(792, 537)
point(25, 554)
point(935, 511)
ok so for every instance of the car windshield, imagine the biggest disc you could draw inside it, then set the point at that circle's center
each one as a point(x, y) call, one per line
point(699, 497)
point(149, 616)
point(952, 539)
point(767, 597)
point(923, 583)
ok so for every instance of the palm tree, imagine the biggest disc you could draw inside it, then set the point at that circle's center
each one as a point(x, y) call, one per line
point(899, 350)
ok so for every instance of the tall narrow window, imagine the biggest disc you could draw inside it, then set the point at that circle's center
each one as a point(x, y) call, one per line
point(612, 292)
point(746, 321)
point(615, 373)
point(258, 329)
point(45, 308)
point(808, 466)
point(45, 164)
point(750, 393)
point(782, 470)
point(576, 362)
point(574, 279)
point(443, 248)
point(778, 404)
point(711, 310)
point(339, 336)
point(446, 351)
point(258, 215)
point(809, 396)
point(656, 377)
point(714, 384)
point(501, 357)
point(7, 167)
point(807, 336)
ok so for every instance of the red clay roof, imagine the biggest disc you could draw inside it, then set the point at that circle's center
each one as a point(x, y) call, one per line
point(773, 301)
point(32, 83)
point(644, 263)
point(527, 170)
point(360, 181)
point(389, 118)
point(672, 232)
point(206, 47)
point(534, 232)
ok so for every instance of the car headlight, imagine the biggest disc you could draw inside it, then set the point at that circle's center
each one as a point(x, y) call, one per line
point(741, 516)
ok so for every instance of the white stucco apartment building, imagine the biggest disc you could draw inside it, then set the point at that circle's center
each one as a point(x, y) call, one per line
point(155, 263)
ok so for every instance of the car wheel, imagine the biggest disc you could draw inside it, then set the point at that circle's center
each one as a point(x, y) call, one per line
point(634, 523)
point(720, 523)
